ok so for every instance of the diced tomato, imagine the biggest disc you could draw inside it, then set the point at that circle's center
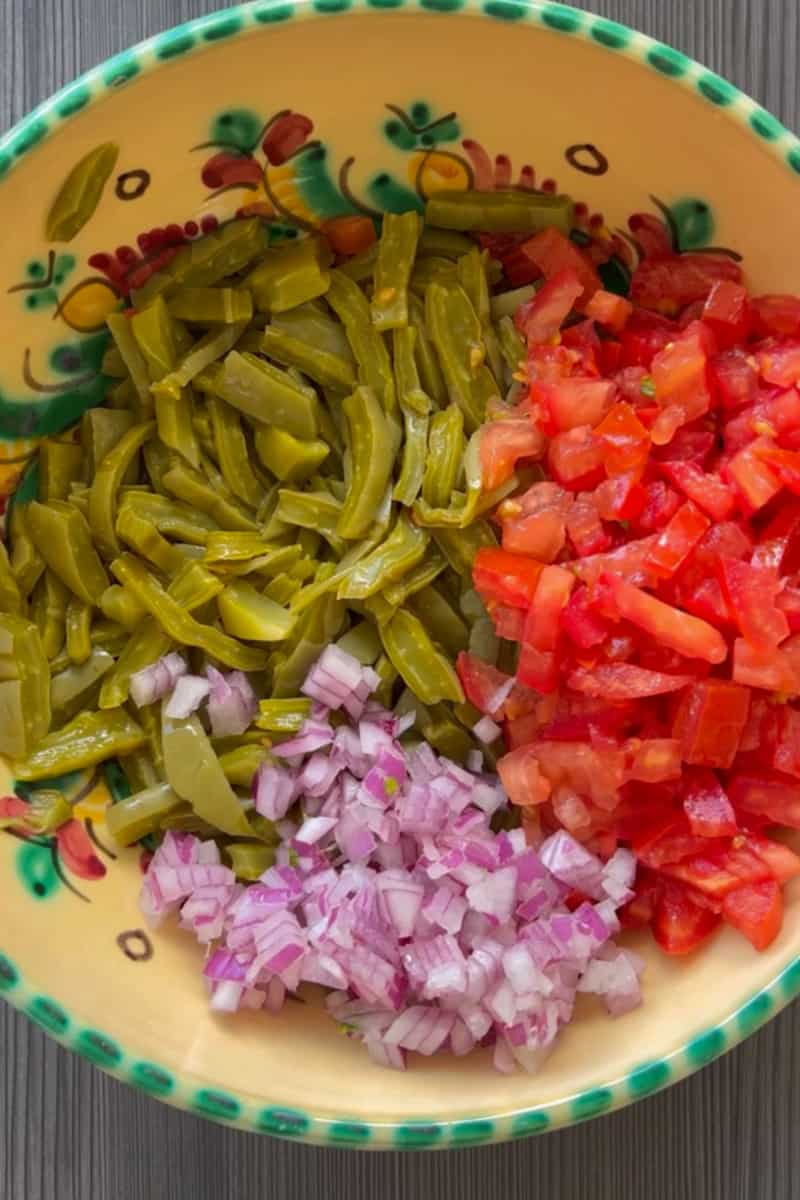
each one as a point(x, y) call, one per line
point(705, 488)
point(710, 721)
point(538, 669)
point(645, 334)
point(505, 249)
point(573, 402)
point(629, 560)
point(771, 670)
point(349, 235)
point(708, 809)
point(623, 440)
point(680, 924)
point(543, 623)
point(655, 760)
point(609, 310)
point(575, 459)
point(539, 319)
point(756, 910)
point(681, 376)
point(585, 529)
point(593, 771)
point(581, 623)
point(788, 601)
point(727, 311)
point(488, 689)
point(680, 631)
point(777, 315)
point(769, 795)
point(508, 622)
point(502, 445)
point(735, 378)
point(677, 540)
point(620, 498)
point(554, 253)
point(624, 681)
point(750, 592)
point(639, 912)
point(505, 578)
point(542, 535)
point(660, 506)
point(785, 736)
point(780, 363)
point(687, 446)
point(754, 479)
point(669, 283)
point(781, 861)
point(521, 776)
point(785, 464)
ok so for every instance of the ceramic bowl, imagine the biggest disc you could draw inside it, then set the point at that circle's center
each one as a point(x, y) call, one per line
point(305, 111)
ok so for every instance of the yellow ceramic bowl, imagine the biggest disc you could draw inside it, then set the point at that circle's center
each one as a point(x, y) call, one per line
point(308, 111)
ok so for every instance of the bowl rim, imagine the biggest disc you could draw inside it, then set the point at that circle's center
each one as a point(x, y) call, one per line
point(181, 1088)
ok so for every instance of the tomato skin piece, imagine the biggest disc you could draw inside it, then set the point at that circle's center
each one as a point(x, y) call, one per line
point(688, 635)
point(751, 591)
point(502, 445)
point(756, 910)
point(505, 578)
point(554, 253)
point(710, 722)
point(735, 378)
point(680, 924)
point(727, 312)
point(667, 284)
point(707, 807)
point(573, 402)
point(540, 318)
point(521, 776)
point(624, 681)
point(703, 487)
point(609, 310)
point(677, 540)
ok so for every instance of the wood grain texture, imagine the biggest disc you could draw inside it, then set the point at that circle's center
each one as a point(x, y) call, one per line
point(68, 1132)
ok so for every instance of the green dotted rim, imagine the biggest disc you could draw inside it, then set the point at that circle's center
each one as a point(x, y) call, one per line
point(199, 1095)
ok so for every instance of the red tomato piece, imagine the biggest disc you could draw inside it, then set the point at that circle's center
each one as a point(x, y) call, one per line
point(754, 479)
point(655, 760)
point(575, 459)
point(543, 622)
point(540, 318)
point(772, 670)
point(492, 691)
point(782, 862)
point(624, 681)
point(581, 623)
point(677, 540)
point(756, 910)
point(788, 601)
point(779, 363)
point(609, 310)
point(660, 505)
point(710, 721)
point(777, 315)
point(670, 626)
point(521, 776)
point(629, 560)
point(751, 592)
point(620, 498)
point(644, 336)
point(542, 535)
point(680, 374)
point(593, 771)
point(639, 912)
point(538, 669)
point(586, 531)
point(734, 377)
point(505, 578)
point(786, 741)
point(768, 795)
point(554, 253)
point(623, 440)
point(708, 809)
point(680, 924)
point(508, 622)
point(703, 487)
point(727, 311)
point(572, 402)
point(667, 284)
point(785, 464)
point(502, 445)
point(349, 235)
point(687, 446)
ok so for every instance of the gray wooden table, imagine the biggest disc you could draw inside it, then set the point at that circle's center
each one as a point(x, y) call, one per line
point(69, 1133)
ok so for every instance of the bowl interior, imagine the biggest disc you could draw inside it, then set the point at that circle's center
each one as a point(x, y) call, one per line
point(309, 119)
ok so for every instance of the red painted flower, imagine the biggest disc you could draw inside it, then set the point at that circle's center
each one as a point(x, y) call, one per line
point(285, 135)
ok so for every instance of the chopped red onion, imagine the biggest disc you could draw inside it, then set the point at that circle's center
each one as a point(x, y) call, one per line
point(486, 730)
point(158, 680)
point(433, 931)
point(188, 694)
